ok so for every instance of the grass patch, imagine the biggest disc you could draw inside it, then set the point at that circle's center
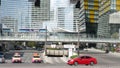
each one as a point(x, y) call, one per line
point(73, 56)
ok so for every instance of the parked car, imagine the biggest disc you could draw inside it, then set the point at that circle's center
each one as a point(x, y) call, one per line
point(36, 58)
point(118, 49)
point(16, 58)
point(1, 53)
point(2, 59)
point(87, 60)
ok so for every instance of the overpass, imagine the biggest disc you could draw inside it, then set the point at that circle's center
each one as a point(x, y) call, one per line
point(62, 39)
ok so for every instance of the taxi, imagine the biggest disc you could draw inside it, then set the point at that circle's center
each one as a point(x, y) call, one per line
point(36, 58)
point(16, 58)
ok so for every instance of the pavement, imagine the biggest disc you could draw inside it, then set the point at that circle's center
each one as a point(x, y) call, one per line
point(54, 60)
point(110, 60)
point(98, 50)
point(27, 56)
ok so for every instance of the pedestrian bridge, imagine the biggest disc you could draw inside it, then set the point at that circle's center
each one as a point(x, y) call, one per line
point(61, 39)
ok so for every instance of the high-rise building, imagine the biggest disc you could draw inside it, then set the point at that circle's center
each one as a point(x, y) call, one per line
point(38, 12)
point(89, 11)
point(63, 14)
point(9, 15)
point(24, 15)
point(75, 19)
point(41, 13)
point(106, 29)
point(61, 17)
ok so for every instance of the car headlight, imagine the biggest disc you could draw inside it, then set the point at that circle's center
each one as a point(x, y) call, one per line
point(72, 60)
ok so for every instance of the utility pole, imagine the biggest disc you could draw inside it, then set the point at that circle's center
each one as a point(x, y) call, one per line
point(78, 43)
point(45, 38)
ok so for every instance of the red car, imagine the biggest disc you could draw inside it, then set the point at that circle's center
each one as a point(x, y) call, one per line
point(87, 60)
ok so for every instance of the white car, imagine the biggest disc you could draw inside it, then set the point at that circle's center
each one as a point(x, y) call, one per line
point(2, 59)
point(16, 58)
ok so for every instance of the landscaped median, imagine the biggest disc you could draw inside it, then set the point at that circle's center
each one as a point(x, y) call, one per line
point(73, 56)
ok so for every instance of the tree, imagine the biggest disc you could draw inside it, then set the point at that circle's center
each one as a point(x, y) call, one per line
point(31, 44)
point(115, 35)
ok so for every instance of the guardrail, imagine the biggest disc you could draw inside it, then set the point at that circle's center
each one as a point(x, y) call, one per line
point(59, 39)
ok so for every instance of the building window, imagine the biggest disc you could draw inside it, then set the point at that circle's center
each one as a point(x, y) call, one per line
point(113, 4)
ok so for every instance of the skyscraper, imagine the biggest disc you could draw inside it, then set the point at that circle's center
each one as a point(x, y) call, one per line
point(24, 15)
point(106, 29)
point(63, 14)
point(89, 11)
point(61, 17)
point(9, 15)
point(75, 18)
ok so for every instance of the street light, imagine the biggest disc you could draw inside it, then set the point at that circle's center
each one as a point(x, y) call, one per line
point(45, 38)
point(78, 40)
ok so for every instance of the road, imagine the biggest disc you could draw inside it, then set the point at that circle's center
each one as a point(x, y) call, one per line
point(104, 61)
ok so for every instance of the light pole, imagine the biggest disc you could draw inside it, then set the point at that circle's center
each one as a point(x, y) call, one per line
point(78, 40)
point(45, 38)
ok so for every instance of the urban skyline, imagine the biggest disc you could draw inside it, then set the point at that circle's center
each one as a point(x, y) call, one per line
point(26, 14)
point(59, 16)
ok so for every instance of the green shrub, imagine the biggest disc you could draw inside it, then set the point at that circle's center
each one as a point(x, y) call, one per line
point(73, 56)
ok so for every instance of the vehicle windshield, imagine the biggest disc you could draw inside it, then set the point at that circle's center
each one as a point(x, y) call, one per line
point(16, 56)
point(36, 56)
point(1, 56)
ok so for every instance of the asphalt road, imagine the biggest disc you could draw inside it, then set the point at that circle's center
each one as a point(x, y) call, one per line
point(104, 61)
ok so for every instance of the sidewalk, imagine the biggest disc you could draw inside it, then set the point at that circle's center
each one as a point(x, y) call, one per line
point(98, 50)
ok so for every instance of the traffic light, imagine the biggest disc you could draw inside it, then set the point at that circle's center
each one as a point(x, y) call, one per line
point(37, 3)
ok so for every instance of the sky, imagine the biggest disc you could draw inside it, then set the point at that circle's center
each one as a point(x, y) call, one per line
point(60, 3)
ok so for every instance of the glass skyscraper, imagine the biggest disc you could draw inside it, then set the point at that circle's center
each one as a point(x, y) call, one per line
point(24, 15)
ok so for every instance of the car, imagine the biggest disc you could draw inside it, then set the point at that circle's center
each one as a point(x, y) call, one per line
point(87, 60)
point(36, 58)
point(2, 59)
point(18, 48)
point(118, 49)
point(1, 53)
point(16, 58)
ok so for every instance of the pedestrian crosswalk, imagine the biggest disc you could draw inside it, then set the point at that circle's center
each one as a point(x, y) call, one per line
point(50, 60)
point(27, 57)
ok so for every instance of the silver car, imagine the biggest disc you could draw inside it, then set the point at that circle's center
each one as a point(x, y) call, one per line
point(2, 59)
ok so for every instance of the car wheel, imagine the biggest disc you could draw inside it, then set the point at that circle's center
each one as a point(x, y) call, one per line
point(70, 64)
point(75, 63)
point(41, 61)
point(91, 63)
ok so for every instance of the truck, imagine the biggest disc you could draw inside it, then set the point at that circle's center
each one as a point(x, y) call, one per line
point(56, 52)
